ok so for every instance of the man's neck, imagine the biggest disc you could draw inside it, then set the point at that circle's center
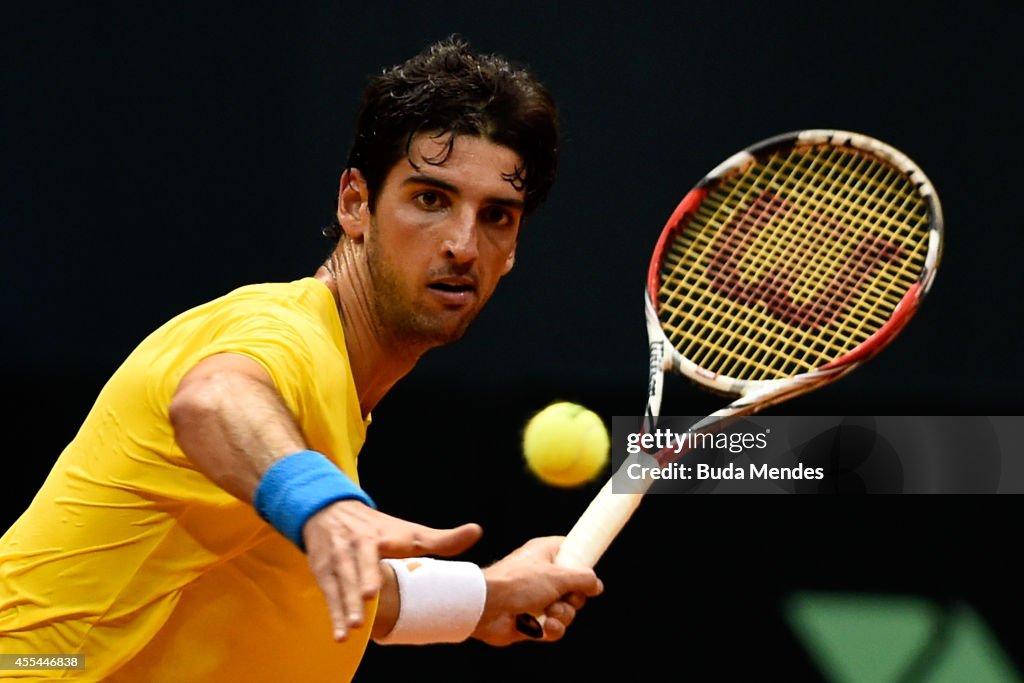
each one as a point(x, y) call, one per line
point(377, 362)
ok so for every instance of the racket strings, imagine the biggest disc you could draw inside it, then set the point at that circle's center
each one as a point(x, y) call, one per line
point(738, 324)
point(792, 262)
point(825, 252)
point(774, 299)
point(762, 256)
point(811, 240)
point(769, 341)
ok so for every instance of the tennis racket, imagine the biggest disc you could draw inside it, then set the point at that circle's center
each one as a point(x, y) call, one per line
point(790, 264)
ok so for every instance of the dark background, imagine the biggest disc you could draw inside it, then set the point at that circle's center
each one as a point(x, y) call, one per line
point(156, 158)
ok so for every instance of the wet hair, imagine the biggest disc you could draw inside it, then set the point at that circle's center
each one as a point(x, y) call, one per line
point(450, 90)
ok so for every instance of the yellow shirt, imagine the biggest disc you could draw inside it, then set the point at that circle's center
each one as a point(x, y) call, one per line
point(130, 556)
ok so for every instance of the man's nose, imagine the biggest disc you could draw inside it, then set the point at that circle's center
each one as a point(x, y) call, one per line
point(460, 243)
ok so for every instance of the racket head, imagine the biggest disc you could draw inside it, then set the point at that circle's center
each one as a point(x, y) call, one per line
point(791, 263)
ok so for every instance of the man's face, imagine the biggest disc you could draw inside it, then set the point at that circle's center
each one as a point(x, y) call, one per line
point(441, 237)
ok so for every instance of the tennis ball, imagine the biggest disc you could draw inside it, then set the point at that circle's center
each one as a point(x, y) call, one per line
point(566, 444)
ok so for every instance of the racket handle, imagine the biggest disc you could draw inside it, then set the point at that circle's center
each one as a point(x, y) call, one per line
point(586, 542)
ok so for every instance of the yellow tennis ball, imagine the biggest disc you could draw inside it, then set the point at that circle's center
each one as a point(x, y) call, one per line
point(566, 444)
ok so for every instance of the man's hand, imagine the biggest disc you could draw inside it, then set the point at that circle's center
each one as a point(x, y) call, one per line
point(529, 581)
point(345, 542)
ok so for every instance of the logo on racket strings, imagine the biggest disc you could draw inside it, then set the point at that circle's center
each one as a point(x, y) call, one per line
point(796, 264)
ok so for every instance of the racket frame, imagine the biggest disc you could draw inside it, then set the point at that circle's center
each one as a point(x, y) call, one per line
point(610, 510)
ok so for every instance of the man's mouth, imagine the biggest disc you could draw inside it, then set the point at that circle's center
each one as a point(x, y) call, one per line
point(446, 287)
point(454, 283)
point(454, 291)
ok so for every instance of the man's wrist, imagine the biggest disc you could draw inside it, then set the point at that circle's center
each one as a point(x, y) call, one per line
point(298, 486)
point(440, 601)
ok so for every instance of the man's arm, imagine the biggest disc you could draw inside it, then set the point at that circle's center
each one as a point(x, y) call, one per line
point(231, 422)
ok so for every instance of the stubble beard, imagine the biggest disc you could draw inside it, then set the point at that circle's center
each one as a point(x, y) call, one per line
point(402, 323)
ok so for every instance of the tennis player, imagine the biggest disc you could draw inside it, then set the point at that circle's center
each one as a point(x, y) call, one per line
point(207, 523)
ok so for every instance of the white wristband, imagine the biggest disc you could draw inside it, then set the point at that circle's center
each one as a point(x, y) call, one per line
point(440, 601)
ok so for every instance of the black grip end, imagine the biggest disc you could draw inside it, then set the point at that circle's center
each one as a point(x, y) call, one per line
point(528, 625)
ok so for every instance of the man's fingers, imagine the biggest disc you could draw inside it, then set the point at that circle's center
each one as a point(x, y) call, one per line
point(554, 629)
point(397, 537)
point(576, 600)
point(369, 569)
point(562, 610)
point(416, 539)
point(345, 542)
point(592, 587)
point(332, 591)
point(350, 586)
point(339, 620)
point(455, 541)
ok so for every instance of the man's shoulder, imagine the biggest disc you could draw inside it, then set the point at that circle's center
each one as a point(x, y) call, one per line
point(296, 290)
point(282, 304)
point(307, 296)
point(305, 307)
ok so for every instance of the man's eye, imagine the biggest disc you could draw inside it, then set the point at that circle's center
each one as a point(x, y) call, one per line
point(429, 200)
point(498, 216)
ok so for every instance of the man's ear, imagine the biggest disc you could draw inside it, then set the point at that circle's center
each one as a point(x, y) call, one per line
point(509, 262)
point(353, 204)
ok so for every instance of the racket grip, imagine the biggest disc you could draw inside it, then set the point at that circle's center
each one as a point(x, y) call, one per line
point(586, 542)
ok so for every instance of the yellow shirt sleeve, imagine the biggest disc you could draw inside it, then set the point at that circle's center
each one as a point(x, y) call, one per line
point(132, 557)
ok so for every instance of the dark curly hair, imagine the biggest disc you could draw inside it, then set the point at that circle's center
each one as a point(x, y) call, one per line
point(450, 90)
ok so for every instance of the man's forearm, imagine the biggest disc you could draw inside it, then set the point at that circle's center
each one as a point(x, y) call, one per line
point(231, 423)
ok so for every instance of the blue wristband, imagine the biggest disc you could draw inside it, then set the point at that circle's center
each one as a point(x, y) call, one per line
point(298, 486)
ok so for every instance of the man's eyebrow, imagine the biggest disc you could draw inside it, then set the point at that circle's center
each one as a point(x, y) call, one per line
point(430, 181)
point(420, 179)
